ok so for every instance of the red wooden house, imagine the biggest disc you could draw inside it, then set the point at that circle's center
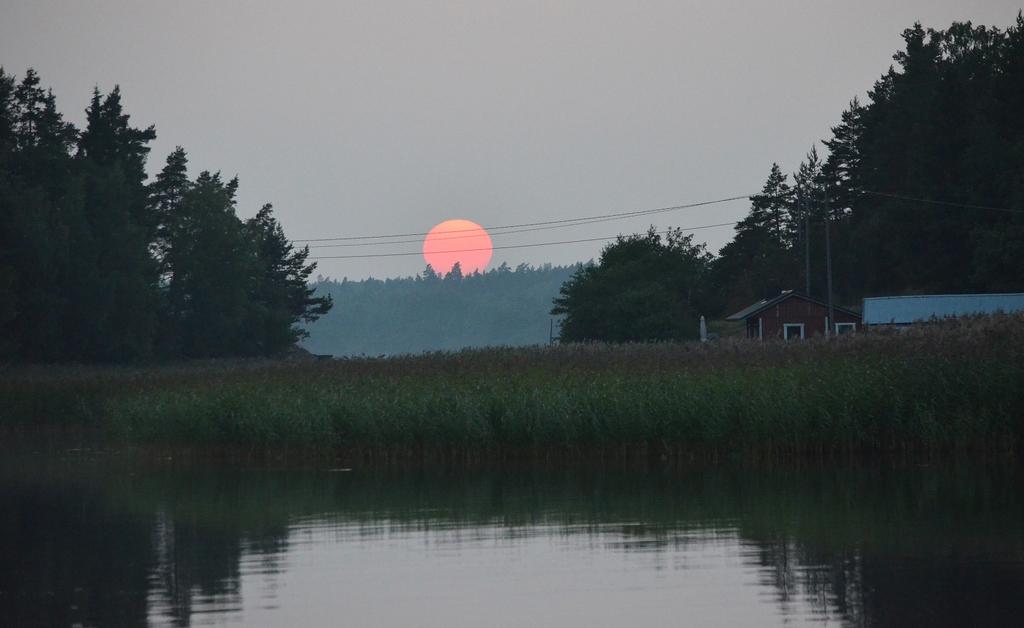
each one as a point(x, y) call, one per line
point(794, 315)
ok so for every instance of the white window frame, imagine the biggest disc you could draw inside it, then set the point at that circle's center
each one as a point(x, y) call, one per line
point(852, 326)
point(785, 330)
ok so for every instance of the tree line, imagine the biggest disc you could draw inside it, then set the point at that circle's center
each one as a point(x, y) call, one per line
point(99, 265)
point(921, 191)
point(431, 312)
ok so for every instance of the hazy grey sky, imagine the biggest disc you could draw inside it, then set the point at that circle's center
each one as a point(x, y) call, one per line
point(377, 116)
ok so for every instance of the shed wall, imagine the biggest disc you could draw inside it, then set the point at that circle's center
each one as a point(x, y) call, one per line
point(910, 309)
point(794, 311)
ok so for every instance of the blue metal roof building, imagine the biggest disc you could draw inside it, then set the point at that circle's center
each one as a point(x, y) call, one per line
point(912, 309)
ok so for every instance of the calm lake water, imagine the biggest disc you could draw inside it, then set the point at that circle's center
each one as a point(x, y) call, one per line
point(104, 539)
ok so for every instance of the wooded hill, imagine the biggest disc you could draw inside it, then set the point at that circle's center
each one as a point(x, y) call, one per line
point(503, 306)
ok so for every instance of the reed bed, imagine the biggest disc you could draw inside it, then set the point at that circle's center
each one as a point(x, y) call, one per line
point(954, 385)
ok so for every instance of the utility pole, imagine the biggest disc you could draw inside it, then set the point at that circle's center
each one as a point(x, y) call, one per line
point(802, 208)
point(828, 266)
point(551, 331)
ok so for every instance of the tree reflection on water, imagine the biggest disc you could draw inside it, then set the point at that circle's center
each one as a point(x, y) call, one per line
point(109, 541)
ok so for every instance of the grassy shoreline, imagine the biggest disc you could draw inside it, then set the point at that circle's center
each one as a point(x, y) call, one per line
point(952, 386)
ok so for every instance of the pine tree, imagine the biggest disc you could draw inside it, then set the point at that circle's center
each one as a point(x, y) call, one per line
point(110, 139)
point(769, 210)
point(113, 298)
point(455, 274)
point(8, 118)
point(9, 298)
point(759, 263)
point(429, 274)
point(211, 261)
point(166, 193)
point(39, 207)
point(282, 293)
point(807, 223)
point(843, 165)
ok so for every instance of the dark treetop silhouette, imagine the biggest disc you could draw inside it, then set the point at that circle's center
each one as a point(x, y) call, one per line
point(98, 265)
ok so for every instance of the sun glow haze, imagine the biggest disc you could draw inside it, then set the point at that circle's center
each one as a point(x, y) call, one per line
point(461, 241)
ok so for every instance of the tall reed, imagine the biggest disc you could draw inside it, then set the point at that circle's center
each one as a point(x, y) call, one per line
point(946, 386)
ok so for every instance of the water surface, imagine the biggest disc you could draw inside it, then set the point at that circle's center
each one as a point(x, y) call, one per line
point(102, 539)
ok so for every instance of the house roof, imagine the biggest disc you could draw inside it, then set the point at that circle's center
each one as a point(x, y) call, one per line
point(764, 304)
point(910, 309)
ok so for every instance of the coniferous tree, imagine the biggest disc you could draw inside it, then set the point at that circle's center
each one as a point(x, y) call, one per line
point(281, 292)
point(211, 262)
point(8, 117)
point(806, 222)
point(166, 194)
point(40, 205)
point(455, 274)
point(758, 262)
point(166, 199)
point(113, 299)
point(8, 267)
point(429, 274)
point(842, 168)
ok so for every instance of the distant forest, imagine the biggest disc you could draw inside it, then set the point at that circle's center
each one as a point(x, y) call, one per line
point(503, 306)
point(97, 265)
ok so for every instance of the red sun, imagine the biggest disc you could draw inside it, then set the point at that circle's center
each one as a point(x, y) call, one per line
point(461, 241)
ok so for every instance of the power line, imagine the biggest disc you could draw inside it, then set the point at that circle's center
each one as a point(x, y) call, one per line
point(564, 221)
point(461, 237)
point(458, 237)
point(945, 203)
point(573, 222)
point(511, 246)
